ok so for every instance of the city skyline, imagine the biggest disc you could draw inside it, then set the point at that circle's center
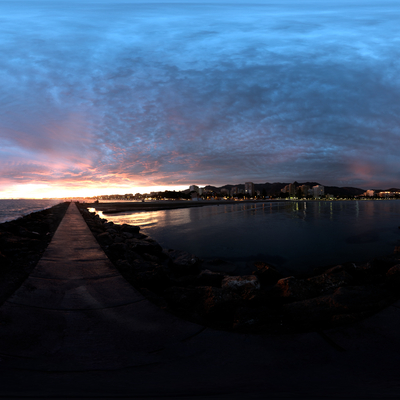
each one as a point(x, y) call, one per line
point(109, 97)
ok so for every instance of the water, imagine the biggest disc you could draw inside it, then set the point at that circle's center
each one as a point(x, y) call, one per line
point(293, 236)
point(13, 209)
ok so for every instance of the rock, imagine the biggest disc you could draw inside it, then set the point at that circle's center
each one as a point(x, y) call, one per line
point(127, 235)
point(218, 265)
point(144, 246)
point(130, 229)
point(247, 287)
point(382, 264)
point(366, 274)
point(332, 279)
point(119, 239)
point(293, 289)
point(209, 278)
point(117, 250)
point(344, 300)
point(139, 236)
point(183, 263)
point(238, 283)
point(266, 274)
point(151, 257)
point(218, 305)
point(108, 225)
point(154, 277)
point(104, 239)
point(393, 277)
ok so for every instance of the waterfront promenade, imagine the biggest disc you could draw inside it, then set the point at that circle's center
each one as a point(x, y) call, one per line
point(76, 328)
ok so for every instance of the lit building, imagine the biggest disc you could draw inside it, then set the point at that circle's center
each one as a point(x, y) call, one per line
point(194, 188)
point(369, 193)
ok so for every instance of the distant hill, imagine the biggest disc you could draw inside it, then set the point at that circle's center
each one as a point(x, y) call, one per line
point(389, 190)
point(273, 189)
point(343, 191)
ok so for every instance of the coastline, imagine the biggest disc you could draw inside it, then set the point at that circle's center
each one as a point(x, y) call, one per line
point(158, 205)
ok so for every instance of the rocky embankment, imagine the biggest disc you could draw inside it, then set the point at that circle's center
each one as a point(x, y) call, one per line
point(22, 243)
point(264, 301)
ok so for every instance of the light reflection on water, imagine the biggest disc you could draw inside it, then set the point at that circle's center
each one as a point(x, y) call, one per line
point(294, 236)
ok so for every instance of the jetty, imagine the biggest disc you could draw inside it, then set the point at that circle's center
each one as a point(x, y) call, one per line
point(77, 329)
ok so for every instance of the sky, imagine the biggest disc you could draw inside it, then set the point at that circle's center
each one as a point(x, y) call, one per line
point(102, 97)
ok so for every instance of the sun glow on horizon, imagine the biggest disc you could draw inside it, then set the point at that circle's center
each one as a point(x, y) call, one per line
point(40, 191)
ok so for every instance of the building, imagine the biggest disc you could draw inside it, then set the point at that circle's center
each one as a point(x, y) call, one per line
point(304, 189)
point(225, 192)
point(194, 188)
point(318, 190)
point(369, 193)
point(249, 188)
point(291, 189)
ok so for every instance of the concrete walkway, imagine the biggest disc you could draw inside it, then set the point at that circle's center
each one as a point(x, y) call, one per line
point(76, 328)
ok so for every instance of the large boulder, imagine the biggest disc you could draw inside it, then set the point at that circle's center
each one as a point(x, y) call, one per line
point(293, 289)
point(209, 278)
point(247, 287)
point(144, 246)
point(125, 228)
point(266, 274)
point(151, 275)
point(344, 300)
point(117, 250)
point(183, 263)
point(327, 282)
point(105, 239)
point(218, 305)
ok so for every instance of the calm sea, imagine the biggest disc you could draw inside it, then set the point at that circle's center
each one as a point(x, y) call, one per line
point(294, 236)
point(13, 209)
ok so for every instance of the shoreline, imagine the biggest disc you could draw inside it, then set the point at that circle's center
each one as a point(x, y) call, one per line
point(160, 205)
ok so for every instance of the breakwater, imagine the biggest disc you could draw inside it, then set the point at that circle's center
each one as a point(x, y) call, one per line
point(22, 243)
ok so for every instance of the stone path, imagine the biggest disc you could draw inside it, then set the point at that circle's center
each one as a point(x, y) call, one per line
point(76, 328)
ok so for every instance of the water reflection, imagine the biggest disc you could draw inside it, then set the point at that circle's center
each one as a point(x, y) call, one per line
point(295, 236)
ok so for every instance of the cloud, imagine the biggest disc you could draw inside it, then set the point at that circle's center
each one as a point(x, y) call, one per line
point(184, 93)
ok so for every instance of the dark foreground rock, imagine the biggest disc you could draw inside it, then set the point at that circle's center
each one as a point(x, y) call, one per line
point(22, 243)
point(265, 301)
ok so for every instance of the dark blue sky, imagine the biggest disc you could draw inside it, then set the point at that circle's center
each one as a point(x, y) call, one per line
point(109, 96)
